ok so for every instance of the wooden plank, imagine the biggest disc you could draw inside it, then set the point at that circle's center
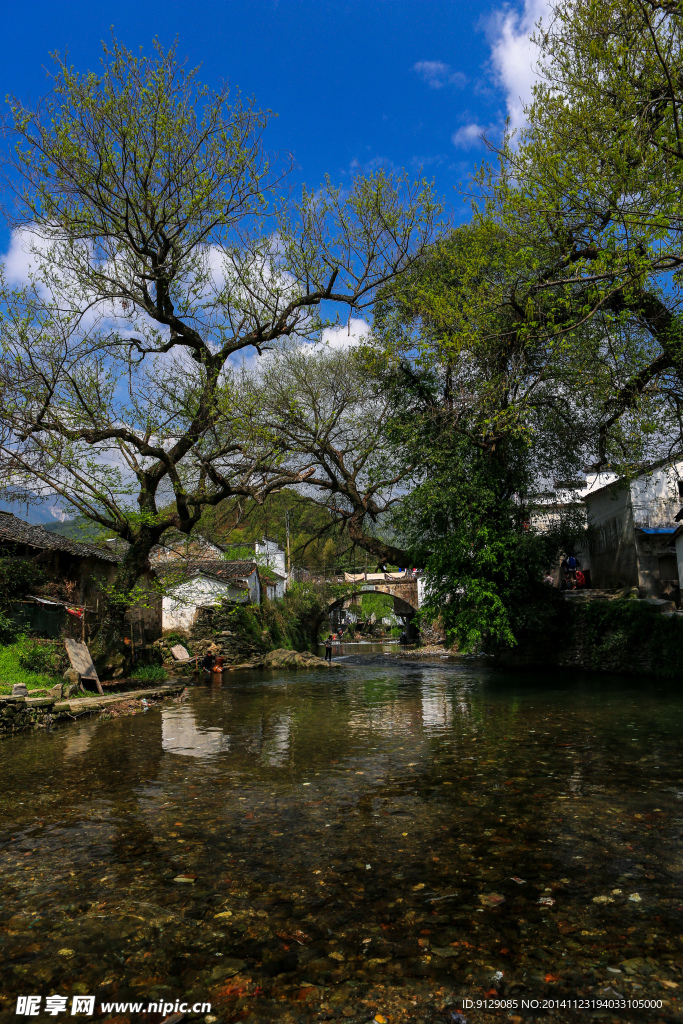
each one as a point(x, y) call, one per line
point(81, 661)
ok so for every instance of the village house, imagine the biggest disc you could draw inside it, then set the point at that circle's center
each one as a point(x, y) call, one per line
point(273, 585)
point(635, 537)
point(76, 576)
point(270, 554)
point(272, 567)
point(195, 574)
point(200, 583)
point(83, 566)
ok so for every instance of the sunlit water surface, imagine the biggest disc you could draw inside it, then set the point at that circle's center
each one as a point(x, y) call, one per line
point(384, 838)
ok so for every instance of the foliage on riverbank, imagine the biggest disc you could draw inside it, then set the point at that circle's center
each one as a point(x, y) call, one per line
point(25, 661)
point(150, 673)
point(242, 631)
point(627, 637)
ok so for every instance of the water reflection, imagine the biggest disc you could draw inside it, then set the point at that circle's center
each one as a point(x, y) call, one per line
point(275, 749)
point(385, 838)
point(436, 706)
point(180, 734)
point(78, 741)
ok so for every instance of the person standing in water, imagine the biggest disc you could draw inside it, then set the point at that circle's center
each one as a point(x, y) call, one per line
point(328, 648)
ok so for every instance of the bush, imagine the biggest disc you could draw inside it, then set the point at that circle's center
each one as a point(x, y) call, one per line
point(292, 623)
point(174, 638)
point(150, 673)
point(36, 657)
point(13, 671)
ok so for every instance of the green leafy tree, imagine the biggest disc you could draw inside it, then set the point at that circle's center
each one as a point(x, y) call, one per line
point(546, 335)
point(163, 242)
point(588, 196)
point(484, 417)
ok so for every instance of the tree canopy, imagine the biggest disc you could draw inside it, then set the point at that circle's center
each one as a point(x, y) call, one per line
point(544, 337)
point(588, 196)
point(163, 242)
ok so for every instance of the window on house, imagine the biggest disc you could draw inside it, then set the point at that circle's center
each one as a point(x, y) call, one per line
point(680, 490)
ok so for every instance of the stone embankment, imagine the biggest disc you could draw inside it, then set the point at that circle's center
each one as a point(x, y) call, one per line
point(18, 712)
point(604, 631)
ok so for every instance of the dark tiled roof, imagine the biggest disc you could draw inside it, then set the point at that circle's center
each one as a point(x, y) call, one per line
point(269, 575)
point(16, 531)
point(172, 572)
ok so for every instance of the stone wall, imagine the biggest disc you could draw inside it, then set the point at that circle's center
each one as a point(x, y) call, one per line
point(226, 634)
point(627, 637)
point(19, 713)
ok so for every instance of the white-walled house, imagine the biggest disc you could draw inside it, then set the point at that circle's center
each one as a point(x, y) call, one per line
point(273, 584)
point(205, 583)
point(634, 532)
point(273, 568)
point(270, 554)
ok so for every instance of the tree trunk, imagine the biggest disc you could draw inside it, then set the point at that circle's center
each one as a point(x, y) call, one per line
point(111, 651)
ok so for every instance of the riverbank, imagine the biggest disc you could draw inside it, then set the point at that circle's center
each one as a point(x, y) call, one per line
point(20, 713)
point(279, 659)
point(598, 631)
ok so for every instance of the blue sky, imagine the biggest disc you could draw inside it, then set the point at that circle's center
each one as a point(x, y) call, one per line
point(354, 82)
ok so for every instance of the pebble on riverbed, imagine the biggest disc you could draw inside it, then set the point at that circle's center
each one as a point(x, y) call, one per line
point(282, 921)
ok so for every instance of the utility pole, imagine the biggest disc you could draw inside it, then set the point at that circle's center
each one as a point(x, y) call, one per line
point(289, 560)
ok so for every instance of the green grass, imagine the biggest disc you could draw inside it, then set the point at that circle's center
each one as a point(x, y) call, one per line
point(150, 674)
point(11, 671)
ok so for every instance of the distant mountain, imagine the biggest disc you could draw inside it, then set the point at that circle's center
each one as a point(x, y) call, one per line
point(36, 513)
point(79, 529)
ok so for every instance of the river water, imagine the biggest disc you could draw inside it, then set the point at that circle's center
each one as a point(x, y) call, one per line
point(387, 838)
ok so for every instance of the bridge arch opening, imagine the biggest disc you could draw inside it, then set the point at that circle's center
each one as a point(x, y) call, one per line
point(404, 610)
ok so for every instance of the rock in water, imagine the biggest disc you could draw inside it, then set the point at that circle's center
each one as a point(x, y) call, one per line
point(293, 660)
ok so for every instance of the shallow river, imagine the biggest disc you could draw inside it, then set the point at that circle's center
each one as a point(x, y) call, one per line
point(386, 839)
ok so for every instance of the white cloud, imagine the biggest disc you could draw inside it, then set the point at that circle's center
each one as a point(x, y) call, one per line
point(437, 74)
point(514, 56)
point(346, 335)
point(19, 261)
point(468, 136)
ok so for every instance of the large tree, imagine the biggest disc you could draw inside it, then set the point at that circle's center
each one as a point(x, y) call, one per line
point(546, 335)
point(162, 242)
point(589, 196)
point(325, 412)
point(486, 416)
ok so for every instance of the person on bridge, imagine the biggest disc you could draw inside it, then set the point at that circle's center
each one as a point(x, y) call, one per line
point(328, 648)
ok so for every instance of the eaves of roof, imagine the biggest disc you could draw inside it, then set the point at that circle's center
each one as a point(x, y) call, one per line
point(16, 531)
point(179, 571)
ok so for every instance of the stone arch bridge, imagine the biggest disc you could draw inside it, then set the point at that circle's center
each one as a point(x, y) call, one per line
point(404, 592)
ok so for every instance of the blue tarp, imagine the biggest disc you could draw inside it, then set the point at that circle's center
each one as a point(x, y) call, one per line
point(658, 529)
